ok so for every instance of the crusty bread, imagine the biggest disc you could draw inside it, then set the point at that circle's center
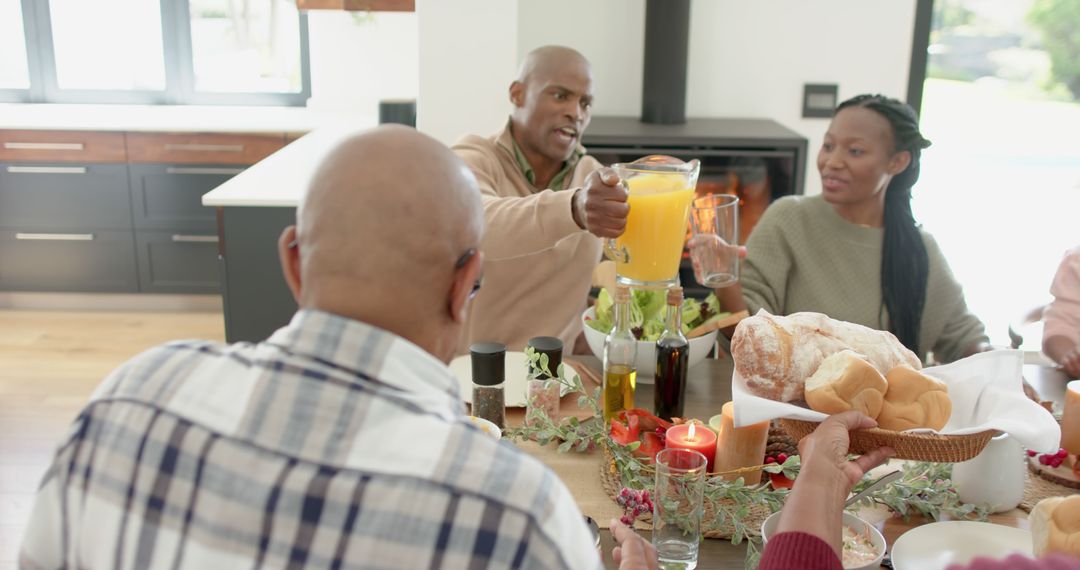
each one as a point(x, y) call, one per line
point(843, 382)
point(775, 355)
point(1055, 526)
point(914, 400)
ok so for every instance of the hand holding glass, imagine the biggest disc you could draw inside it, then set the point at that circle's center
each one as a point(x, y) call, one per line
point(714, 249)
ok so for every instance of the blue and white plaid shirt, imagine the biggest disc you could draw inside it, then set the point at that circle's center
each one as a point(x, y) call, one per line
point(332, 444)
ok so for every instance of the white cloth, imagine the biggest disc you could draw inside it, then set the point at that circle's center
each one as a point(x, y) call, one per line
point(986, 391)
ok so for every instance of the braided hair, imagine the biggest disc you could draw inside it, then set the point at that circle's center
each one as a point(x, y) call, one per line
point(904, 263)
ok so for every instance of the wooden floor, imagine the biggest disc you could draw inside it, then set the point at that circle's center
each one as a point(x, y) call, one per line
point(50, 362)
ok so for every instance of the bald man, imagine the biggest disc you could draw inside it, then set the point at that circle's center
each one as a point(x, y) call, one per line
point(546, 206)
point(339, 442)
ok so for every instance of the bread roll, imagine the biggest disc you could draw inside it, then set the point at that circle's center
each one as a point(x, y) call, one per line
point(843, 382)
point(775, 355)
point(914, 400)
point(1055, 526)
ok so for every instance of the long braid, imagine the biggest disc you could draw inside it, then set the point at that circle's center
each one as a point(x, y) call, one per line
point(904, 262)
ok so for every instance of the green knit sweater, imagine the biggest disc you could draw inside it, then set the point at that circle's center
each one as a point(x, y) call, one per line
point(802, 256)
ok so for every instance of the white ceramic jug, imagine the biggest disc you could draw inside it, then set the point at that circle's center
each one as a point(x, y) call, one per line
point(995, 477)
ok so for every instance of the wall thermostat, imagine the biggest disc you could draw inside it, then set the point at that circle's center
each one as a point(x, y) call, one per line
point(819, 100)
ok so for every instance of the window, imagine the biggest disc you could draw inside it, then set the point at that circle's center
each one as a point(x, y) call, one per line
point(13, 69)
point(139, 51)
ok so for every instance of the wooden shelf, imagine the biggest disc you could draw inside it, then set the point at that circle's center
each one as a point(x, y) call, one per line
point(358, 5)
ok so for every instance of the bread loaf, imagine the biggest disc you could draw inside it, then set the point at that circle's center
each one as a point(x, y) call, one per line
point(775, 355)
point(843, 382)
point(1055, 526)
point(914, 400)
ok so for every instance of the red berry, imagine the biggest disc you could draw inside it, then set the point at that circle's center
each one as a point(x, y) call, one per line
point(1032, 453)
point(1062, 453)
point(1044, 460)
point(769, 460)
point(781, 458)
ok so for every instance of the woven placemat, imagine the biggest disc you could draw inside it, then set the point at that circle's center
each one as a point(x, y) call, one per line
point(612, 484)
point(1038, 488)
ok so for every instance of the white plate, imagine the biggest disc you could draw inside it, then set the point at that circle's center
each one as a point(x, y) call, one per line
point(517, 365)
point(936, 546)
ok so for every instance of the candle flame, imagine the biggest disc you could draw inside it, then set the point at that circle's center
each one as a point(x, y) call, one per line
point(690, 434)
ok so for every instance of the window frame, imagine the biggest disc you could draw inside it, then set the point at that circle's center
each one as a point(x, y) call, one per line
point(178, 65)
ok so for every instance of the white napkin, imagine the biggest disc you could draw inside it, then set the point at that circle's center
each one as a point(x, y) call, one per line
point(986, 393)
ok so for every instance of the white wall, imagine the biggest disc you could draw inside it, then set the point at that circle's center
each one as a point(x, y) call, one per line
point(468, 57)
point(609, 33)
point(747, 59)
point(751, 59)
point(359, 60)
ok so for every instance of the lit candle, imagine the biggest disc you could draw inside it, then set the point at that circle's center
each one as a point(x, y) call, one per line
point(1070, 421)
point(740, 447)
point(693, 437)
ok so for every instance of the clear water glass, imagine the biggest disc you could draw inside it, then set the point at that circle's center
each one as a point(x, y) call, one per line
point(677, 507)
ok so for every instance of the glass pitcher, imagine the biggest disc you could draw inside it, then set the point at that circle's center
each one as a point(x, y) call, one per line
point(661, 189)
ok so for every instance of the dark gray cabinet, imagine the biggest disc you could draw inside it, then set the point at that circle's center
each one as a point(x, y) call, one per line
point(174, 262)
point(64, 196)
point(35, 259)
point(168, 197)
point(176, 235)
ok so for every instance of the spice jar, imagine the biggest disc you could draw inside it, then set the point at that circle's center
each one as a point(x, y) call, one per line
point(543, 391)
point(488, 376)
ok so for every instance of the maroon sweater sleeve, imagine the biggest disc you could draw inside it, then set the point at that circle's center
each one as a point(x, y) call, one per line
point(798, 551)
point(1018, 562)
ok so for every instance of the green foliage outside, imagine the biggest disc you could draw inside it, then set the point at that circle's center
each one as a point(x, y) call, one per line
point(1058, 22)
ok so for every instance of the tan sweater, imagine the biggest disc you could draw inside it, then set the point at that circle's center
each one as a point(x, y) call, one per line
point(538, 263)
point(802, 256)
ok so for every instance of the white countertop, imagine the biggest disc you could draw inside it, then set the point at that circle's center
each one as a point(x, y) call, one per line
point(173, 118)
point(282, 178)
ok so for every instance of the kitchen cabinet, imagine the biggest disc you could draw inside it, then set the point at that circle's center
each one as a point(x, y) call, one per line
point(115, 211)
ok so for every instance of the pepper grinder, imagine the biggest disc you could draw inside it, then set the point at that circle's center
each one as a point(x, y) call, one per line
point(488, 376)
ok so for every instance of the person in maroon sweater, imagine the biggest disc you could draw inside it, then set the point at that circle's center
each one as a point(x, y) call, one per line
point(808, 536)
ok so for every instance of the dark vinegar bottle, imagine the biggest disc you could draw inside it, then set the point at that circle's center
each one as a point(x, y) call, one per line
point(672, 354)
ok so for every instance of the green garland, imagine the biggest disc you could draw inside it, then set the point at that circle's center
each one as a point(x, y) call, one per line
point(924, 489)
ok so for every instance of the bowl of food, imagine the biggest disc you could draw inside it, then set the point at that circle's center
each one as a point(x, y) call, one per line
point(863, 545)
point(487, 427)
point(647, 313)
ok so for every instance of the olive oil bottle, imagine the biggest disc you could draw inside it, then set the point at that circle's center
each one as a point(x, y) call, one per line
point(620, 354)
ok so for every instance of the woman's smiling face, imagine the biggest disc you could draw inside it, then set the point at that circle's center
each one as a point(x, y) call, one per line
point(857, 157)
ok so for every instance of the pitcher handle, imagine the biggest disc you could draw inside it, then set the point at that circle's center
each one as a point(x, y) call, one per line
point(616, 252)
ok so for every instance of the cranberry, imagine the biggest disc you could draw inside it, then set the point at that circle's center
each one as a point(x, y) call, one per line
point(782, 458)
point(1032, 453)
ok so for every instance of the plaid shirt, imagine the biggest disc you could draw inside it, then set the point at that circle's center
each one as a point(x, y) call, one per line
point(330, 445)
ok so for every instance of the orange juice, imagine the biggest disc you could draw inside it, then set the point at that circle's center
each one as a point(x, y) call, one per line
point(655, 229)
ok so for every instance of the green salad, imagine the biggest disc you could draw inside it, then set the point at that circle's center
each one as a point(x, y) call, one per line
point(647, 309)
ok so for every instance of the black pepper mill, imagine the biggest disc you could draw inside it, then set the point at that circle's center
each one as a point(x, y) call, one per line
point(488, 376)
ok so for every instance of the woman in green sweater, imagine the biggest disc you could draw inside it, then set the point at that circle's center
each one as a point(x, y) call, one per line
point(854, 252)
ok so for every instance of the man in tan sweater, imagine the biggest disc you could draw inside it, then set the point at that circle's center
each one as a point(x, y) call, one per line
point(546, 206)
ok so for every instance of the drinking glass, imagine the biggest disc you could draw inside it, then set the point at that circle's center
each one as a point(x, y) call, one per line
point(677, 507)
point(714, 222)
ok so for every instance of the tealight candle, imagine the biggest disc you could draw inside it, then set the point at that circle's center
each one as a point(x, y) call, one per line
point(1070, 420)
point(693, 437)
point(740, 447)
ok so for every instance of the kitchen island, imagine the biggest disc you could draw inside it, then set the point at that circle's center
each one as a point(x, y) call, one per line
point(253, 208)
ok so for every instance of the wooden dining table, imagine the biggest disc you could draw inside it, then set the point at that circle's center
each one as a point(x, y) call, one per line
point(708, 388)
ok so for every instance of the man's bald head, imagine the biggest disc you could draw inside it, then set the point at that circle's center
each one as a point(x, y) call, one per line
point(386, 216)
point(546, 60)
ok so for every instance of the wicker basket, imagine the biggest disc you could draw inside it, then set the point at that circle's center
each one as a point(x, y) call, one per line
point(914, 446)
point(612, 484)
